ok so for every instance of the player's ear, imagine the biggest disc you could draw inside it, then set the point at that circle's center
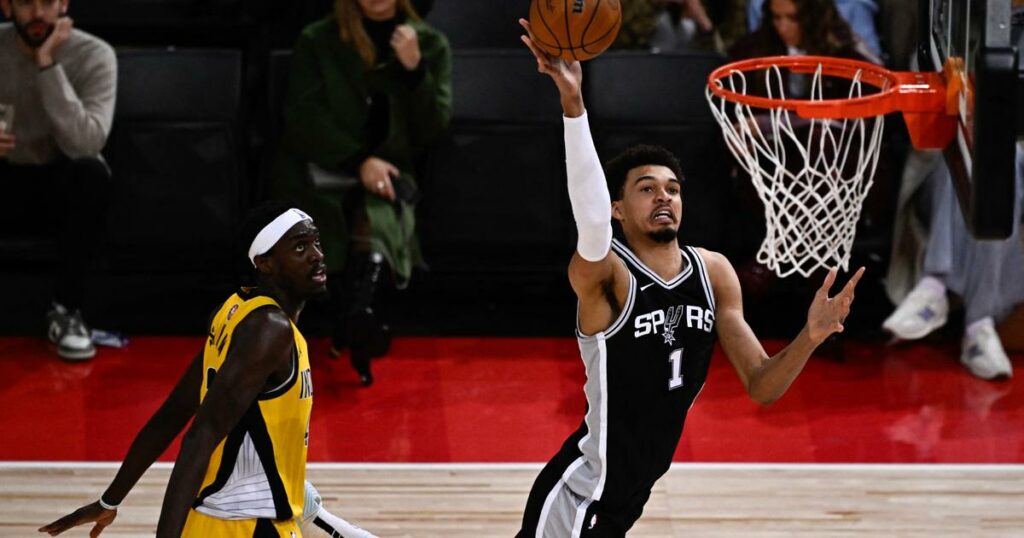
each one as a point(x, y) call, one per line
point(617, 210)
point(264, 264)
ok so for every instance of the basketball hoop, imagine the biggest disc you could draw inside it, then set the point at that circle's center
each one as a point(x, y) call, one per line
point(813, 184)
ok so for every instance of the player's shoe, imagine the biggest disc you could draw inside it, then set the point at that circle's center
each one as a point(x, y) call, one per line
point(69, 333)
point(982, 351)
point(313, 512)
point(925, 309)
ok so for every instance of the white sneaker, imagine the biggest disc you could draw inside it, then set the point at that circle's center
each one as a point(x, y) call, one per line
point(982, 352)
point(68, 331)
point(924, 310)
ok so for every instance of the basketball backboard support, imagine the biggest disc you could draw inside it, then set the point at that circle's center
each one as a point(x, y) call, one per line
point(972, 43)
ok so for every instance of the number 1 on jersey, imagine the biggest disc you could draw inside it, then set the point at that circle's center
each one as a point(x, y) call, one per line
point(676, 358)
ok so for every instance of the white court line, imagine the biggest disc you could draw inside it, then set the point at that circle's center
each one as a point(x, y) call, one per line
point(855, 467)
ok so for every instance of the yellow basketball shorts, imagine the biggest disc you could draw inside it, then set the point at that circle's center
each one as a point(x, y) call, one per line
point(203, 526)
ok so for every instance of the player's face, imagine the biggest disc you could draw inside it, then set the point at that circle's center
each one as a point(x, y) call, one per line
point(784, 19)
point(298, 261)
point(34, 20)
point(378, 10)
point(651, 203)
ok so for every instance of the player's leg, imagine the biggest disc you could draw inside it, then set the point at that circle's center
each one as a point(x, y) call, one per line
point(552, 507)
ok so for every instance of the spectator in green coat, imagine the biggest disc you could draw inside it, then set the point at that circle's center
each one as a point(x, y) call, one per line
point(369, 91)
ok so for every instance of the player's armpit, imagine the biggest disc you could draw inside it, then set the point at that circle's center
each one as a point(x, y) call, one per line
point(601, 287)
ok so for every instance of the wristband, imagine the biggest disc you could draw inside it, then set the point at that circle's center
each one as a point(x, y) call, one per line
point(107, 506)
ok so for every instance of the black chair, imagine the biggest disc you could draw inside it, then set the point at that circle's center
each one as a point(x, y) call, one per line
point(174, 153)
point(480, 24)
point(637, 97)
point(494, 197)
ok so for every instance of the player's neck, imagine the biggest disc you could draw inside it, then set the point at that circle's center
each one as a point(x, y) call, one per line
point(665, 259)
point(292, 307)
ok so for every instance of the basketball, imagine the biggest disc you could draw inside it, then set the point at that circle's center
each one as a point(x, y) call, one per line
point(575, 29)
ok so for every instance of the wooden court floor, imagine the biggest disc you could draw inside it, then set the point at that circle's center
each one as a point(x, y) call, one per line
point(484, 500)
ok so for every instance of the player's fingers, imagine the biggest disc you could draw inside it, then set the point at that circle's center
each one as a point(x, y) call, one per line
point(526, 26)
point(389, 190)
point(849, 287)
point(60, 525)
point(96, 530)
point(830, 279)
point(531, 41)
point(540, 56)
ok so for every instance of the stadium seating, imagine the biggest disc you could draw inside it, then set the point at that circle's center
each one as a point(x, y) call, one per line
point(175, 152)
point(636, 97)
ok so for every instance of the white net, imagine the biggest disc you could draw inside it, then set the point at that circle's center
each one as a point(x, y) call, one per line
point(811, 174)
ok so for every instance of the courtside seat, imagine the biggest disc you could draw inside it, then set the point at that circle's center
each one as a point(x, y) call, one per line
point(638, 97)
point(494, 195)
point(480, 24)
point(174, 153)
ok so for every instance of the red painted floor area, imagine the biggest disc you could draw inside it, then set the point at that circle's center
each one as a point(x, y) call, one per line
point(515, 400)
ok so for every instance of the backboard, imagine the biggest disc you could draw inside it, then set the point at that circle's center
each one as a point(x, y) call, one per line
point(973, 43)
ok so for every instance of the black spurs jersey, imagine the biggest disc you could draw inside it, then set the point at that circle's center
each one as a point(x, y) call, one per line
point(643, 374)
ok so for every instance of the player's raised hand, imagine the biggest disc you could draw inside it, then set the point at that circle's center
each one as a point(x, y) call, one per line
point(568, 76)
point(827, 314)
point(90, 513)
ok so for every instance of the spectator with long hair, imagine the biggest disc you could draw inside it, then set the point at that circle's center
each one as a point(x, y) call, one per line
point(370, 90)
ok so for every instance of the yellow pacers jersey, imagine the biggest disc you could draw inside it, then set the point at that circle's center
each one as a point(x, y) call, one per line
point(258, 470)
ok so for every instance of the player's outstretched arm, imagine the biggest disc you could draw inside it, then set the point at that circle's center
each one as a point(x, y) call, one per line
point(261, 344)
point(767, 378)
point(594, 270)
point(151, 441)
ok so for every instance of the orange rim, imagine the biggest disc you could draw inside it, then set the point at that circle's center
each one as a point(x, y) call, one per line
point(899, 91)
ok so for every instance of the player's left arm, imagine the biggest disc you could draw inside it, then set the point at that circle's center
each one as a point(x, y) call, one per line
point(767, 378)
point(151, 441)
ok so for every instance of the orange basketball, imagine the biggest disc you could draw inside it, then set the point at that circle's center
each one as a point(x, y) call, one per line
point(575, 29)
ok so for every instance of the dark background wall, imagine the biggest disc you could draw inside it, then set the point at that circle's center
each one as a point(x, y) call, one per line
point(197, 122)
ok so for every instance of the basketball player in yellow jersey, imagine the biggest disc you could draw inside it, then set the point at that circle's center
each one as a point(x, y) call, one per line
point(241, 468)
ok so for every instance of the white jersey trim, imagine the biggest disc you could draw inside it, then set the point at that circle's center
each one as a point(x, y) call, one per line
point(702, 270)
point(624, 251)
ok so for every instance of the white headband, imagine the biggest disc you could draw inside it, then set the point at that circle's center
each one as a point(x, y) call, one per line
point(272, 233)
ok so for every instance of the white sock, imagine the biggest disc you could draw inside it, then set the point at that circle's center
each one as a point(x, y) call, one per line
point(933, 284)
point(973, 328)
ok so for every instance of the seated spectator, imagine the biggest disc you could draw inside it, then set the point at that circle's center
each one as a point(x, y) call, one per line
point(665, 25)
point(801, 27)
point(859, 14)
point(944, 257)
point(370, 89)
point(798, 27)
point(61, 83)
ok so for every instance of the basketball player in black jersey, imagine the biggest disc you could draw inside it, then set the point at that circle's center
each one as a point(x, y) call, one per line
point(254, 418)
point(649, 314)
